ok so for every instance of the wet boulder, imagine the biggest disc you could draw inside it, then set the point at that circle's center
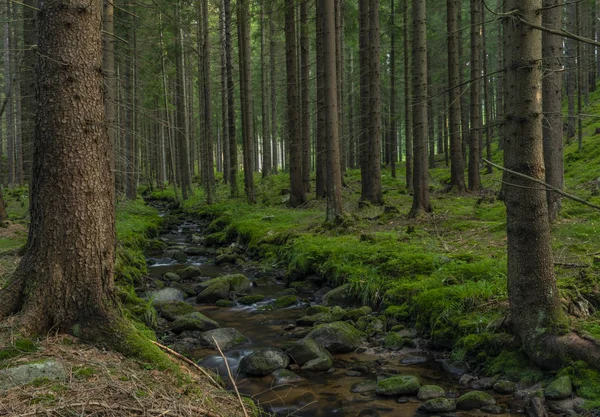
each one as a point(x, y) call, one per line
point(189, 272)
point(337, 337)
point(559, 389)
point(320, 364)
point(226, 338)
point(29, 372)
point(398, 385)
point(166, 295)
point(264, 361)
point(174, 309)
point(193, 321)
point(331, 315)
point(438, 405)
point(475, 399)
point(428, 392)
point(216, 291)
point(341, 296)
point(285, 377)
point(305, 350)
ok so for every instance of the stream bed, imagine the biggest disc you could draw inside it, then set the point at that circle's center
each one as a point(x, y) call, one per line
point(339, 391)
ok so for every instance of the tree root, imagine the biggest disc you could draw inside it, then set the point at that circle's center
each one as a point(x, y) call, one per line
point(554, 351)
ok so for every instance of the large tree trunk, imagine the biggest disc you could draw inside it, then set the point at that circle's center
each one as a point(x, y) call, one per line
point(65, 279)
point(533, 295)
point(297, 196)
point(552, 51)
point(334, 173)
point(304, 95)
point(421, 201)
point(475, 65)
point(371, 102)
point(321, 136)
point(208, 167)
point(233, 154)
point(457, 163)
point(243, 11)
point(408, 133)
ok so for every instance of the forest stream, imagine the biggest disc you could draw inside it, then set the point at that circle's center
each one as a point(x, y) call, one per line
point(346, 389)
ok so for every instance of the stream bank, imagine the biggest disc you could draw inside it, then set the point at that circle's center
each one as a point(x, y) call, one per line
point(272, 315)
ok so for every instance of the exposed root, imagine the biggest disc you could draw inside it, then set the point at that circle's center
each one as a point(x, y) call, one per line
point(553, 351)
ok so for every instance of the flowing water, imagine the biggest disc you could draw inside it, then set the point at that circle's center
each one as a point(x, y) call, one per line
point(324, 394)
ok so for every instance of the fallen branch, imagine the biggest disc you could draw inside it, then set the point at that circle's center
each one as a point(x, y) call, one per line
point(188, 361)
point(231, 377)
point(548, 186)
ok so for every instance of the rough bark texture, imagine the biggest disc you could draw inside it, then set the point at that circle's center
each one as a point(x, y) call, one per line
point(552, 51)
point(28, 65)
point(266, 137)
point(408, 133)
point(297, 196)
point(65, 279)
point(371, 102)
point(224, 97)
point(208, 164)
point(304, 95)
point(334, 174)
point(243, 11)
point(180, 116)
point(476, 125)
point(421, 201)
point(457, 163)
point(533, 295)
point(571, 53)
point(393, 129)
point(110, 78)
point(233, 154)
point(321, 136)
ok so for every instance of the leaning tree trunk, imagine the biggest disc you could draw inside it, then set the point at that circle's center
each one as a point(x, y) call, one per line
point(552, 51)
point(421, 201)
point(65, 279)
point(534, 299)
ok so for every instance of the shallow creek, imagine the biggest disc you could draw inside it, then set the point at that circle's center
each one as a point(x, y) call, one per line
point(321, 394)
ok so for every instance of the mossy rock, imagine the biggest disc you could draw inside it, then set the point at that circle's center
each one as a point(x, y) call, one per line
point(238, 282)
point(363, 322)
point(428, 392)
point(224, 303)
point(321, 364)
point(393, 341)
point(559, 389)
point(194, 321)
point(171, 277)
point(227, 338)
point(264, 361)
point(438, 405)
point(285, 301)
point(166, 295)
point(341, 296)
point(354, 315)
point(475, 399)
point(216, 291)
point(304, 286)
point(334, 314)
point(265, 282)
point(189, 272)
point(505, 387)
point(376, 326)
point(363, 387)
point(398, 385)
point(305, 350)
point(316, 309)
point(285, 377)
point(251, 299)
point(227, 258)
point(173, 310)
point(337, 337)
point(154, 247)
point(215, 239)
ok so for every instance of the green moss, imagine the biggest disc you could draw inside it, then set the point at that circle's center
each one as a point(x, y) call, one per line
point(586, 382)
point(251, 299)
point(398, 385)
point(514, 365)
point(84, 372)
point(19, 347)
point(224, 303)
point(285, 301)
point(393, 341)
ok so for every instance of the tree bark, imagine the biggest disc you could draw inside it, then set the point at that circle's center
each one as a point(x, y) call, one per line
point(476, 125)
point(224, 96)
point(408, 133)
point(457, 163)
point(233, 149)
point(110, 80)
point(243, 12)
point(28, 86)
point(393, 129)
point(552, 51)
point(208, 168)
point(421, 203)
point(334, 174)
point(297, 196)
point(64, 281)
point(180, 113)
point(266, 136)
point(321, 136)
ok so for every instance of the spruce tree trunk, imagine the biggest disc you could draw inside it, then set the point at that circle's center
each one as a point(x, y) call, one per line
point(297, 196)
point(393, 129)
point(180, 114)
point(321, 137)
point(476, 125)
point(457, 163)
point(233, 149)
point(571, 53)
point(273, 88)
point(486, 99)
point(243, 12)
point(208, 167)
point(334, 174)
point(552, 51)
point(224, 95)
point(110, 80)
point(266, 136)
point(580, 81)
point(3, 214)
point(28, 86)
point(304, 95)
point(408, 133)
point(535, 306)
point(65, 279)
point(421, 201)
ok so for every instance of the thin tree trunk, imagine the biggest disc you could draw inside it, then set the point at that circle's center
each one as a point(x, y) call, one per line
point(408, 124)
point(475, 65)
point(321, 136)
point(304, 95)
point(571, 54)
point(273, 87)
point(224, 105)
point(208, 174)
point(233, 156)
point(180, 116)
point(580, 81)
point(28, 84)
point(393, 130)
point(266, 136)
point(486, 98)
